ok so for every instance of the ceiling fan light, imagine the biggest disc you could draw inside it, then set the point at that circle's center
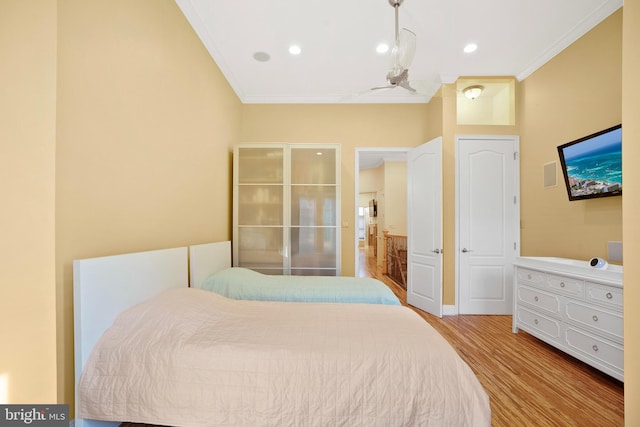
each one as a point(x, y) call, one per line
point(472, 92)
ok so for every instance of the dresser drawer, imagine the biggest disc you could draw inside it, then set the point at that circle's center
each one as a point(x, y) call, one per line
point(606, 295)
point(536, 322)
point(531, 277)
point(596, 319)
point(596, 348)
point(539, 299)
point(566, 285)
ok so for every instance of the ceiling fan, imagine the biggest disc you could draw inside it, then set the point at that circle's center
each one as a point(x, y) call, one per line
point(401, 55)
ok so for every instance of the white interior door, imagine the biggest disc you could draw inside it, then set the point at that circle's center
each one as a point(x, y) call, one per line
point(424, 227)
point(488, 223)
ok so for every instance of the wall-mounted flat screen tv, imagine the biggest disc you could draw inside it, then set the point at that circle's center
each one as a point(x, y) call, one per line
point(592, 165)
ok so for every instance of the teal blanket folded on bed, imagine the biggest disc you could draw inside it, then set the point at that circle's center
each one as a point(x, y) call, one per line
point(242, 283)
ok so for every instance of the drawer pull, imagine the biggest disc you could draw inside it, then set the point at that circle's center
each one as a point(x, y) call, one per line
point(562, 284)
point(535, 321)
point(529, 276)
point(595, 347)
point(535, 298)
point(595, 318)
point(609, 296)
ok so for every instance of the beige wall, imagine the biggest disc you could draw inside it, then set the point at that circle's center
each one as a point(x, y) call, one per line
point(371, 180)
point(27, 186)
point(146, 122)
point(575, 94)
point(352, 126)
point(630, 209)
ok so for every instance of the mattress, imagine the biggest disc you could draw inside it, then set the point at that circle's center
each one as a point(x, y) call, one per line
point(189, 357)
point(245, 284)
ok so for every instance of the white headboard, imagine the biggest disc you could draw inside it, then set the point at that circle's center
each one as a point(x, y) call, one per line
point(105, 287)
point(206, 259)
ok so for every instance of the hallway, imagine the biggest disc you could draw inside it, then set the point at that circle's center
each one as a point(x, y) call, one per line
point(366, 262)
point(367, 267)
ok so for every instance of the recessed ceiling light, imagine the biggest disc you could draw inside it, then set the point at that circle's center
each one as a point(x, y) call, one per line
point(471, 47)
point(261, 56)
point(382, 48)
point(294, 49)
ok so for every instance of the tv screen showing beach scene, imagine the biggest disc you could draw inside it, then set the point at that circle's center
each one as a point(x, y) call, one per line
point(592, 166)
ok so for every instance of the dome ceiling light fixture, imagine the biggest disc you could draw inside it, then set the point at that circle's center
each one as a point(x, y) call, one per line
point(472, 92)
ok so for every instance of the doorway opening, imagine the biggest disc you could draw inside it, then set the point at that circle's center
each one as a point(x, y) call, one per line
point(370, 187)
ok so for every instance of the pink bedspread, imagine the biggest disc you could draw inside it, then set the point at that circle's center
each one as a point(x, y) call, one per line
point(194, 358)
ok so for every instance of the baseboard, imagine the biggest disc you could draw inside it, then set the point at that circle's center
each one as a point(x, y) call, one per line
point(449, 310)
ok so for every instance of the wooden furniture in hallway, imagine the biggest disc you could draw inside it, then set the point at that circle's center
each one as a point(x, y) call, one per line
point(395, 258)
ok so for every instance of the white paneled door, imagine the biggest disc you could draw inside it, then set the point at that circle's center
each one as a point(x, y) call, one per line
point(488, 223)
point(424, 227)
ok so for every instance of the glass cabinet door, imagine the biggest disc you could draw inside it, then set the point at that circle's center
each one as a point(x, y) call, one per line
point(313, 165)
point(259, 208)
point(314, 192)
point(258, 165)
point(260, 204)
point(313, 251)
point(260, 248)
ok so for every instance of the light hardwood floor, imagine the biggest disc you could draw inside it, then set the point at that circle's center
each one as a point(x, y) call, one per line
point(529, 383)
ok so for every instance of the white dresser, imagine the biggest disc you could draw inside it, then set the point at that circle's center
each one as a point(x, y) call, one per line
point(573, 307)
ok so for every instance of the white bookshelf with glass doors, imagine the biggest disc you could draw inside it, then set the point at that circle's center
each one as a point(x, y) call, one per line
point(286, 208)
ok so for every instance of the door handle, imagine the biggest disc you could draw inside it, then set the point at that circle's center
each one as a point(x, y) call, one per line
point(465, 250)
point(436, 251)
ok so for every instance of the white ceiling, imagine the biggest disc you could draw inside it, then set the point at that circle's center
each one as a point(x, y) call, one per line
point(338, 41)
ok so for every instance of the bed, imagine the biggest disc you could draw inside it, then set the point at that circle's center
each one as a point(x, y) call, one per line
point(245, 284)
point(149, 349)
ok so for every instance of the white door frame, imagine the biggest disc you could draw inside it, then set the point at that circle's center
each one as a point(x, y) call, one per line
point(516, 140)
point(382, 151)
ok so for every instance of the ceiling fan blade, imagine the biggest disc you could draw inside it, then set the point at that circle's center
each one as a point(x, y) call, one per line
point(406, 48)
point(353, 96)
point(407, 86)
point(383, 87)
point(402, 52)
